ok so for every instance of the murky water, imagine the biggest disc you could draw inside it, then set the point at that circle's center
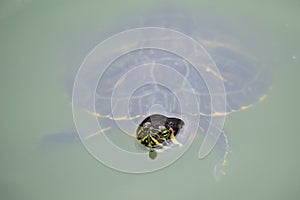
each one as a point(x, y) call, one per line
point(39, 41)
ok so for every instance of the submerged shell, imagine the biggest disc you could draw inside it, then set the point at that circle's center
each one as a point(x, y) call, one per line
point(245, 79)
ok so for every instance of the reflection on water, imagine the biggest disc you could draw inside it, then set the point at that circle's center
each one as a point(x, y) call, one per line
point(39, 161)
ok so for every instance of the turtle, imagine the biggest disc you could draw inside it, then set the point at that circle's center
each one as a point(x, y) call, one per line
point(244, 79)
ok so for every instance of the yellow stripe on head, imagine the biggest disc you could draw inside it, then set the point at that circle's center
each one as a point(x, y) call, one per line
point(173, 139)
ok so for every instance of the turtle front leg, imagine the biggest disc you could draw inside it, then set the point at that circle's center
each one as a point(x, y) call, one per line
point(222, 147)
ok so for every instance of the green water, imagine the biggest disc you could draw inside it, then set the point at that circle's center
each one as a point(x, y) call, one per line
point(40, 39)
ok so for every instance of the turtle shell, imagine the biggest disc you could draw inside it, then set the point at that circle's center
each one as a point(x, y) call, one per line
point(245, 81)
point(245, 78)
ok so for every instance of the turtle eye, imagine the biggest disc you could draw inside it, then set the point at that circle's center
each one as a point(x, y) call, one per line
point(165, 133)
point(147, 124)
point(171, 124)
